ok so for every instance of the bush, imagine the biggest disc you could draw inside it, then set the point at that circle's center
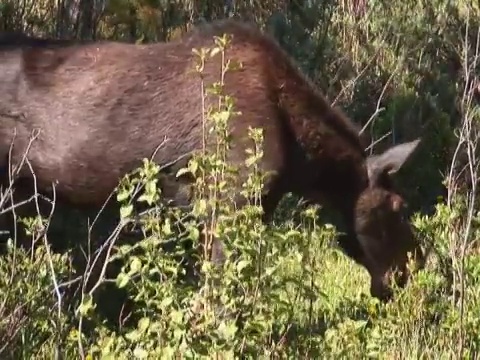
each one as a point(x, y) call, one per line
point(401, 70)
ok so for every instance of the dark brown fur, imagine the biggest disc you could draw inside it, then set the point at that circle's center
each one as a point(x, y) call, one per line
point(102, 107)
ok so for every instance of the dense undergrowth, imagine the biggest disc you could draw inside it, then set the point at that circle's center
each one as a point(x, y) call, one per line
point(401, 69)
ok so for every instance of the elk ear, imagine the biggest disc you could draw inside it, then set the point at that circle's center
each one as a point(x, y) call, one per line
point(390, 161)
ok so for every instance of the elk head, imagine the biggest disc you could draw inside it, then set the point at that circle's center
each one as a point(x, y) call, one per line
point(385, 234)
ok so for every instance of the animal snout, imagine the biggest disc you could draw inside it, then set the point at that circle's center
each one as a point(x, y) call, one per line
point(381, 284)
point(380, 290)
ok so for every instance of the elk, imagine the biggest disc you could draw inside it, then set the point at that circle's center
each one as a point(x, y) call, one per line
point(99, 108)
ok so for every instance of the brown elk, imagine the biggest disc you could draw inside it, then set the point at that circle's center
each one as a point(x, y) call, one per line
point(101, 107)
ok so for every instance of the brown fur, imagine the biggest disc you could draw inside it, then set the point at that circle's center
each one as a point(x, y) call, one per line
point(101, 107)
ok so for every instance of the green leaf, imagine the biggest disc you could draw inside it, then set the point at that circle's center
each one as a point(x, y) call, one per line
point(140, 353)
point(133, 336)
point(200, 207)
point(214, 51)
point(182, 171)
point(143, 324)
point(135, 265)
point(228, 331)
point(176, 317)
point(122, 280)
point(86, 305)
point(108, 356)
point(166, 228)
point(242, 264)
point(166, 302)
point(193, 233)
point(126, 211)
point(123, 195)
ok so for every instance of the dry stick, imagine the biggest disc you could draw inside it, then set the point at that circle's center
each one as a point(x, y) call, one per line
point(108, 244)
point(12, 208)
point(19, 166)
point(333, 80)
point(12, 275)
point(354, 81)
point(47, 247)
point(17, 327)
point(473, 170)
point(44, 231)
point(465, 138)
point(136, 192)
point(380, 98)
point(35, 197)
point(111, 241)
point(370, 147)
point(89, 268)
point(90, 228)
point(110, 196)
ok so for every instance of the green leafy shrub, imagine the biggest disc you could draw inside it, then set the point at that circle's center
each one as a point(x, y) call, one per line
point(406, 69)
